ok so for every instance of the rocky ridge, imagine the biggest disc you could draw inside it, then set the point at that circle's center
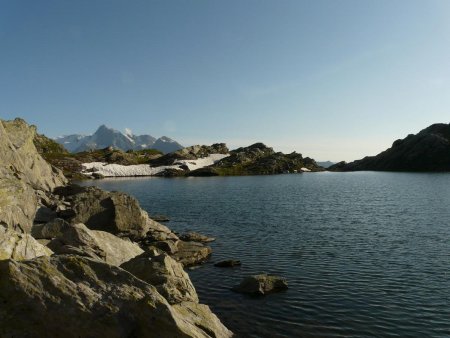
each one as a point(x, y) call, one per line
point(429, 150)
point(258, 159)
point(98, 265)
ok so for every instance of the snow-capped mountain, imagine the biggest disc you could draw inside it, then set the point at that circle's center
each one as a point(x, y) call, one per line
point(105, 137)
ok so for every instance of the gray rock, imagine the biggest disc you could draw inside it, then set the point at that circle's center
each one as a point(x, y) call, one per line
point(261, 284)
point(228, 263)
point(20, 246)
point(49, 230)
point(166, 274)
point(79, 240)
point(196, 237)
point(72, 296)
point(191, 253)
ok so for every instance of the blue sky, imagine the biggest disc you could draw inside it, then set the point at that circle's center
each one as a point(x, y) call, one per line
point(333, 80)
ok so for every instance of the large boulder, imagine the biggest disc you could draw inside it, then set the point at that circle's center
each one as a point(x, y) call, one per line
point(166, 274)
point(23, 172)
point(72, 296)
point(20, 246)
point(78, 239)
point(261, 284)
point(114, 212)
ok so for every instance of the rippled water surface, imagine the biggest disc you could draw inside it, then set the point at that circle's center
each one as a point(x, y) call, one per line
point(365, 254)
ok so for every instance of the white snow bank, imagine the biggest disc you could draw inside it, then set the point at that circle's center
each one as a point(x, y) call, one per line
point(118, 170)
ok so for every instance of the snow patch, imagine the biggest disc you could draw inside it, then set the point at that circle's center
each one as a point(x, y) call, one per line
point(118, 170)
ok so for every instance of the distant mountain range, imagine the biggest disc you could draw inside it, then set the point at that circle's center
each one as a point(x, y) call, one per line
point(106, 137)
point(428, 150)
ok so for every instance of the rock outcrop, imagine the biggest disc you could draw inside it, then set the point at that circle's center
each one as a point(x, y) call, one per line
point(164, 273)
point(261, 284)
point(73, 286)
point(73, 296)
point(23, 173)
point(429, 150)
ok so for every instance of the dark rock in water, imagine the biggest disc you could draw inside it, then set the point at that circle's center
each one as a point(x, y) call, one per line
point(196, 237)
point(228, 263)
point(97, 176)
point(204, 172)
point(72, 296)
point(159, 218)
point(261, 284)
point(429, 150)
point(164, 273)
point(169, 172)
point(191, 253)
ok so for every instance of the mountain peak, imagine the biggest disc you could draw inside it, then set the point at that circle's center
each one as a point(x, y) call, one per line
point(105, 137)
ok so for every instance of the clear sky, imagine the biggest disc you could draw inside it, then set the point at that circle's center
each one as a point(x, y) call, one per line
point(333, 80)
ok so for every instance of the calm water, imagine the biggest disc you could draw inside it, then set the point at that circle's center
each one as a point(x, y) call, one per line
point(365, 254)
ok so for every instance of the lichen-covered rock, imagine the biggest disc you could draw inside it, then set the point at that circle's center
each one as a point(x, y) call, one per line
point(79, 240)
point(191, 253)
point(72, 296)
point(165, 274)
point(20, 246)
point(261, 284)
point(22, 172)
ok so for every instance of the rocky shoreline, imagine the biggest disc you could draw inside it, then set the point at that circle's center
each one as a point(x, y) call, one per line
point(83, 262)
point(198, 160)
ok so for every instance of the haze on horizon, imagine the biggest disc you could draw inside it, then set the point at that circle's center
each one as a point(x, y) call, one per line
point(333, 80)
